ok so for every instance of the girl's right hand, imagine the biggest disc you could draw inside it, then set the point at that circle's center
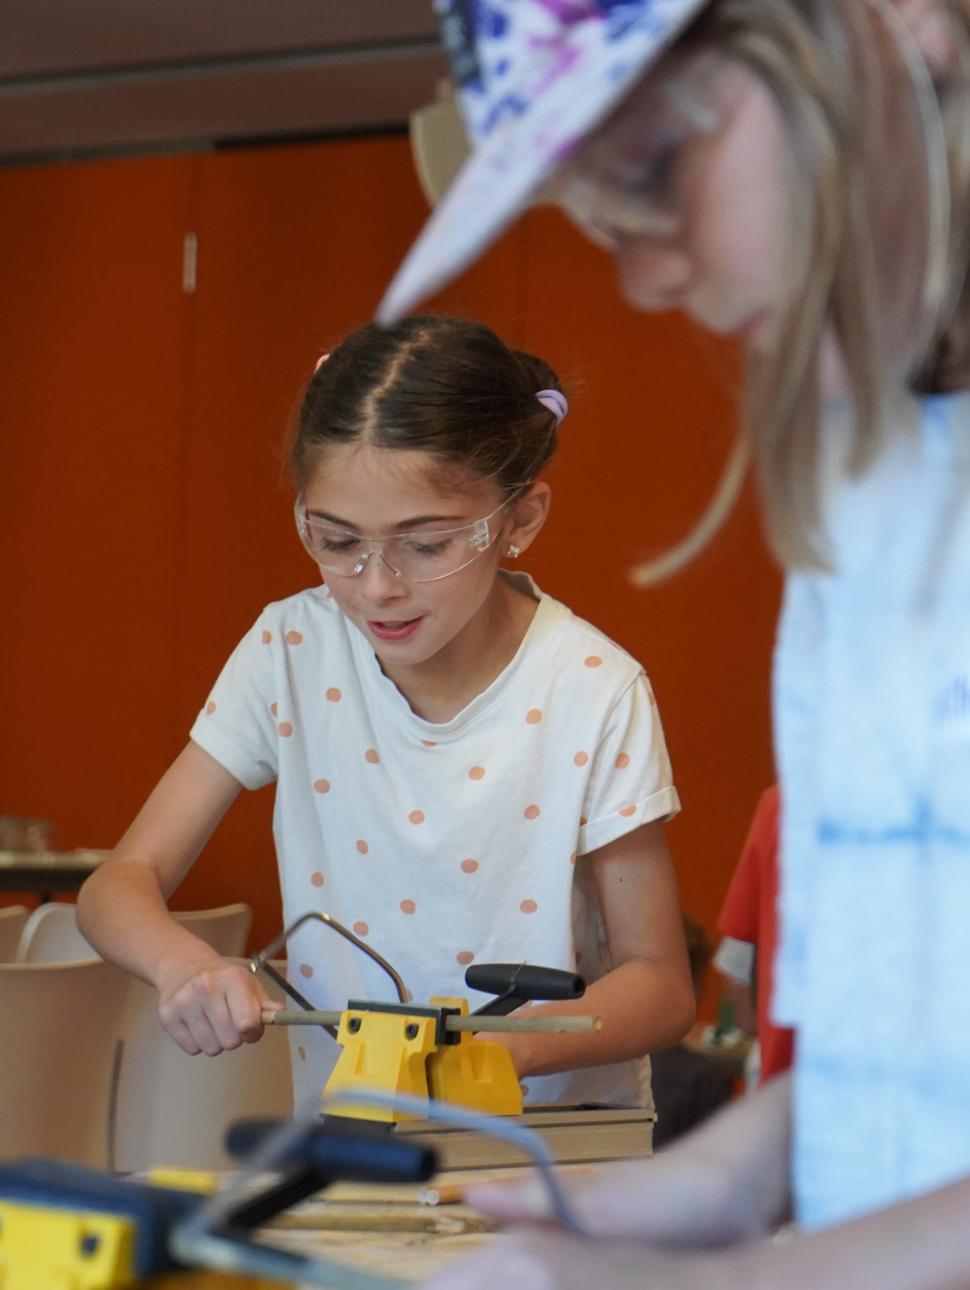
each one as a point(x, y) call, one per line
point(212, 1007)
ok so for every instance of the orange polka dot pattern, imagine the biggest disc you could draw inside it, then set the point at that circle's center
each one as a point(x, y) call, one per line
point(372, 756)
point(477, 772)
point(416, 817)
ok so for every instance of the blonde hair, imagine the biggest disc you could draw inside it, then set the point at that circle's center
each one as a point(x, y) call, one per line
point(879, 189)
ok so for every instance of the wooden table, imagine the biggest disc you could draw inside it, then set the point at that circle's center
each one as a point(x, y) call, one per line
point(386, 1229)
point(47, 872)
point(379, 1229)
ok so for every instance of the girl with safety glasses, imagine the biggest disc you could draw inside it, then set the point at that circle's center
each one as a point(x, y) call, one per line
point(465, 771)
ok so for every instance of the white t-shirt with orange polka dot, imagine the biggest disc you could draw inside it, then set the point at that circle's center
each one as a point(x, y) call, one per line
point(441, 844)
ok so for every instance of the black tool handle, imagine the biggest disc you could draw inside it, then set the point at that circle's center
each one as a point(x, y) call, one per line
point(342, 1150)
point(518, 983)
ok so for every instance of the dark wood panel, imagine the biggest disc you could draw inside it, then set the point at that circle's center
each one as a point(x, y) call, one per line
point(46, 36)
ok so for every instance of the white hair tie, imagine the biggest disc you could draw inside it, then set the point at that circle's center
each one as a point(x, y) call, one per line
point(555, 401)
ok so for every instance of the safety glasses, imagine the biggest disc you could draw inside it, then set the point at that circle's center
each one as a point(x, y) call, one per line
point(626, 181)
point(421, 555)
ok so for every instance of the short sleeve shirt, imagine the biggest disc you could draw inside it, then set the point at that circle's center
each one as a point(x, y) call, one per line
point(440, 844)
point(750, 914)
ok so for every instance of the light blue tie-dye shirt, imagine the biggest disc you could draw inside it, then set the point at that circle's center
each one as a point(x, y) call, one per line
point(872, 703)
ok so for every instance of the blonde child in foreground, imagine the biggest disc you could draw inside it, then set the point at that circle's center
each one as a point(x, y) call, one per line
point(793, 173)
point(465, 771)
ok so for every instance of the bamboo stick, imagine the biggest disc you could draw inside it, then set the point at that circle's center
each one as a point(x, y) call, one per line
point(479, 1025)
point(380, 1219)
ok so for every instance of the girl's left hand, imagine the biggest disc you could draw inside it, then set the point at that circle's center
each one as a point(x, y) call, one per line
point(533, 1259)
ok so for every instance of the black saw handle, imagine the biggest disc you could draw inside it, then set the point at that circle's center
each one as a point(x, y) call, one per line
point(518, 983)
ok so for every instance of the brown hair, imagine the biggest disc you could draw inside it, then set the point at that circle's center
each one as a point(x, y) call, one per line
point(444, 386)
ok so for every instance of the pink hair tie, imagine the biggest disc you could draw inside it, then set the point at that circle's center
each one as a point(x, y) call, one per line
point(320, 362)
point(555, 401)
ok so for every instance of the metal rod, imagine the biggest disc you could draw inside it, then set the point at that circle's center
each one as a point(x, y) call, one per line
point(477, 1025)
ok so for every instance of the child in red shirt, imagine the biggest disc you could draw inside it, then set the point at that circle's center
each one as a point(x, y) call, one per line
point(750, 913)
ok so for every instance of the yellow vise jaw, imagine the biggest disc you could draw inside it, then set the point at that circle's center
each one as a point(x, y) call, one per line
point(51, 1249)
point(402, 1048)
point(66, 1227)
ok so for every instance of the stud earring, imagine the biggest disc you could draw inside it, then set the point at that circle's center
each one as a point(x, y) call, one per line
point(512, 551)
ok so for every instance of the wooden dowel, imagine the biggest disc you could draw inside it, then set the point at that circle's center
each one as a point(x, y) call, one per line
point(380, 1219)
point(300, 1017)
point(557, 1025)
point(442, 1194)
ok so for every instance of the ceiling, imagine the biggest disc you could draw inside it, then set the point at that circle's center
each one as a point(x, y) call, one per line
point(128, 76)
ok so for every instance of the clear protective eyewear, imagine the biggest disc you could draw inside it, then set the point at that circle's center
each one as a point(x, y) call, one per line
point(624, 182)
point(420, 555)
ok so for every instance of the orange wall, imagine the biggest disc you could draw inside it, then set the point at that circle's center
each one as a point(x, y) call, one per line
point(147, 521)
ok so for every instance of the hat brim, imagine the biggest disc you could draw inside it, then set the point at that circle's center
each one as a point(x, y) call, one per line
point(519, 155)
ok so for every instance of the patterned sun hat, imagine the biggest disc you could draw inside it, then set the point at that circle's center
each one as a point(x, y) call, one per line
point(533, 78)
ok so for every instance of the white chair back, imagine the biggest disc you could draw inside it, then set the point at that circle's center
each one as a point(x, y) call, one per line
point(173, 1109)
point(51, 935)
point(226, 929)
point(59, 1061)
point(12, 920)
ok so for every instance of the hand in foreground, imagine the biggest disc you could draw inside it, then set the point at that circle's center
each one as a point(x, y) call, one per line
point(678, 1199)
point(213, 1008)
point(724, 1184)
point(546, 1260)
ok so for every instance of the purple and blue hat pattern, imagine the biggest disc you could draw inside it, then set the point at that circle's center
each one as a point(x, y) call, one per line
point(505, 54)
point(533, 78)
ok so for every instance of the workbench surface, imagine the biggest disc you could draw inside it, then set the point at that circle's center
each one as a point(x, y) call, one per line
point(386, 1229)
